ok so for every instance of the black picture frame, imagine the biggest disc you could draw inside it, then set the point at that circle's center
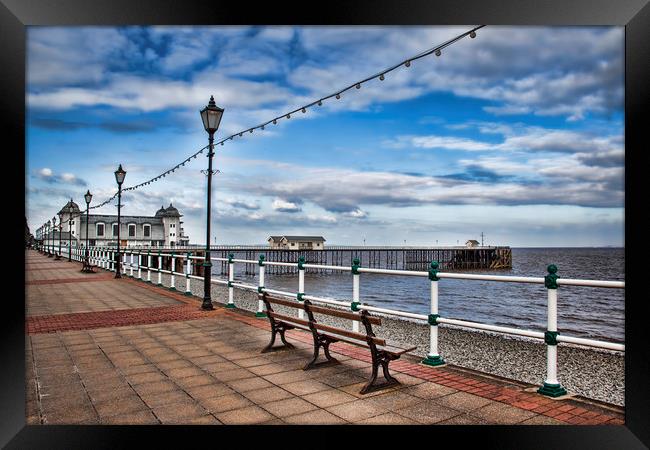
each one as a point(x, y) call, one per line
point(16, 15)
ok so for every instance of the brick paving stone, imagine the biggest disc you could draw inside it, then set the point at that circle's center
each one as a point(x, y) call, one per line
point(462, 401)
point(216, 389)
point(245, 416)
point(267, 394)
point(288, 407)
point(232, 375)
point(428, 412)
point(356, 410)
point(428, 390)
point(134, 418)
point(463, 419)
point(225, 402)
point(158, 399)
point(196, 381)
point(331, 397)
point(305, 387)
point(129, 404)
point(268, 369)
point(542, 420)
point(315, 417)
point(387, 419)
point(498, 413)
point(249, 384)
point(179, 412)
point(393, 401)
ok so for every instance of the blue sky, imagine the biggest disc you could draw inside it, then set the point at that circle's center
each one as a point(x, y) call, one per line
point(517, 133)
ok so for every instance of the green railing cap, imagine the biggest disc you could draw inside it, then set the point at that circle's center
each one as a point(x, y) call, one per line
point(261, 260)
point(550, 280)
point(433, 271)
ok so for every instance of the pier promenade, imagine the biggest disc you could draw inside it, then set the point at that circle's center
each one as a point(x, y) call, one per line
point(101, 350)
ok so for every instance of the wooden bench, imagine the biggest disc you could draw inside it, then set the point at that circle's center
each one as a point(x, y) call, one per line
point(324, 335)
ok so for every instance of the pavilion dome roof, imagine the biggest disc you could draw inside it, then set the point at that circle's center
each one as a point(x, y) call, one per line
point(171, 211)
point(68, 206)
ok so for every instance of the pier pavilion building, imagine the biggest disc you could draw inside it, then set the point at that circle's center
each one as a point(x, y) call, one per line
point(163, 229)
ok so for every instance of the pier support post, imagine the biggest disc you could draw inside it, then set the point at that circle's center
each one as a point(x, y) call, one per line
point(354, 306)
point(188, 272)
point(433, 357)
point(231, 278)
point(301, 285)
point(551, 386)
point(260, 289)
point(172, 286)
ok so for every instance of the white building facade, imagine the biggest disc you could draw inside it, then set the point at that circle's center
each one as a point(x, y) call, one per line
point(164, 229)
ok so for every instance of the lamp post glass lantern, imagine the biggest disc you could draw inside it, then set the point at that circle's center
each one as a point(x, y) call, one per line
point(87, 268)
point(120, 174)
point(211, 117)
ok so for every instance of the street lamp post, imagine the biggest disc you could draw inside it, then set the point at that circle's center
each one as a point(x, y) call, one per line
point(58, 256)
point(119, 177)
point(211, 117)
point(86, 267)
point(70, 232)
point(49, 247)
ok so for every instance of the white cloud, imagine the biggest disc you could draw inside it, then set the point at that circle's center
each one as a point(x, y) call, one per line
point(285, 206)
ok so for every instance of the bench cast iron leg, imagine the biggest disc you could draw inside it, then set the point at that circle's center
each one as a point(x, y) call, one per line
point(321, 341)
point(370, 386)
point(274, 331)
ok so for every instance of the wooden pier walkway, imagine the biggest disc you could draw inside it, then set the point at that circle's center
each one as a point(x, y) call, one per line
point(107, 351)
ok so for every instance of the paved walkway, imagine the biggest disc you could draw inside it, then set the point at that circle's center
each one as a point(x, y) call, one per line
point(106, 351)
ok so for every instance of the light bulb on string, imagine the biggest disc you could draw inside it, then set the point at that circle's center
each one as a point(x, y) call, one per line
point(381, 77)
point(407, 63)
point(438, 52)
point(304, 110)
point(472, 34)
point(320, 103)
point(358, 86)
point(338, 96)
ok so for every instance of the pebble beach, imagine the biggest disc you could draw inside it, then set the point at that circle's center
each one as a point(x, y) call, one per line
point(591, 373)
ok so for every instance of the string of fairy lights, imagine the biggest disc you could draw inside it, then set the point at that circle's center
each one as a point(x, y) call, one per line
point(381, 75)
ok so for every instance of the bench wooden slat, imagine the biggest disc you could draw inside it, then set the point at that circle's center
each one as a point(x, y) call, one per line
point(288, 318)
point(350, 334)
point(289, 303)
point(343, 314)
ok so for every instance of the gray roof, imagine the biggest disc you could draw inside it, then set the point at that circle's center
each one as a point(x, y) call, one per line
point(66, 208)
point(170, 211)
point(108, 219)
point(299, 238)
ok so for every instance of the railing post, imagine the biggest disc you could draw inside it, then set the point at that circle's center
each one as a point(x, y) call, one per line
point(139, 264)
point(354, 306)
point(231, 278)
point(551, 386)
point(159, 269)
point(131, 264)
point(433, 357)
point(172, 287)
point(188, 272)
point(301, 285)
point(148, 266)
point(260, 289)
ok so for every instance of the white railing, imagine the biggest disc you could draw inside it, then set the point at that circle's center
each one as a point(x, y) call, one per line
point(136, 259)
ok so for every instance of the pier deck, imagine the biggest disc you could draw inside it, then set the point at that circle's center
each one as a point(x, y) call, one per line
point(107, 351)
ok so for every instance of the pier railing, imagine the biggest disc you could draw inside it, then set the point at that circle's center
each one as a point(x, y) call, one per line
point(181, 265)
